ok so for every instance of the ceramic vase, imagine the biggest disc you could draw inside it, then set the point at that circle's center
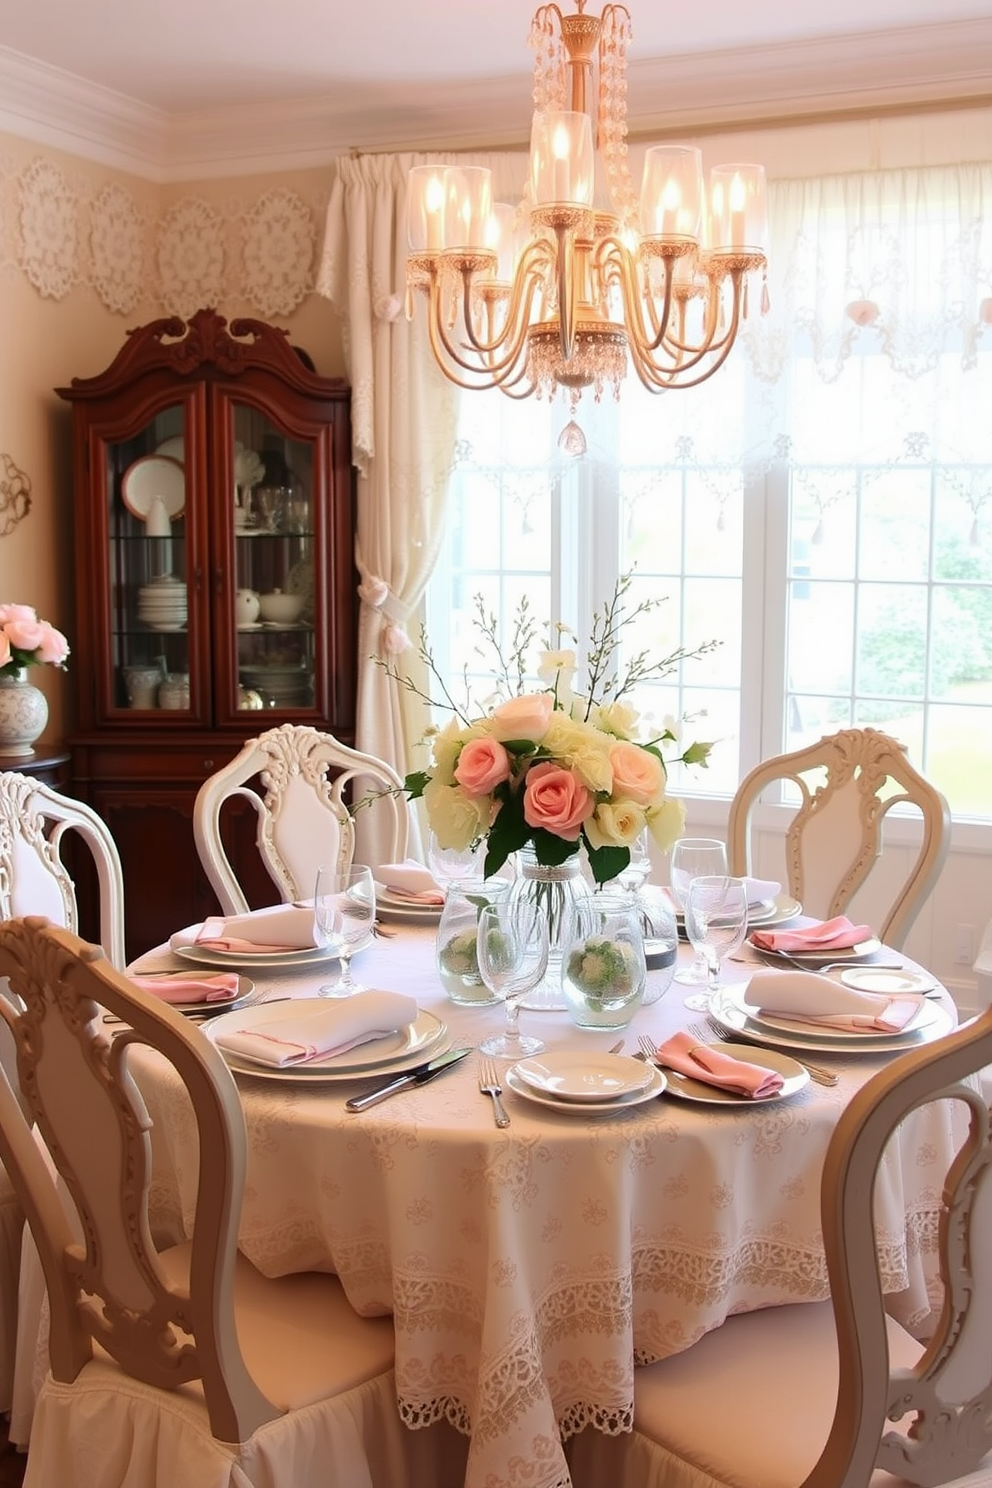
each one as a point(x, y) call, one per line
point(23, 713)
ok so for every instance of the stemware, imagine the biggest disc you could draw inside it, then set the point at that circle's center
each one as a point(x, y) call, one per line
point(512, 947)
point(452, 866)
point(716, 923)
point(692, 857)
point(343, 916)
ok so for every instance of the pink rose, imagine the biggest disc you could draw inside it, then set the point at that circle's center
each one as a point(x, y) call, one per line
point(16, 612)
point(4, 649)
point(524, 717)
point(53, 646)
point(482, 764)
point(638, 775)
point(555, 800)
point(25, 634)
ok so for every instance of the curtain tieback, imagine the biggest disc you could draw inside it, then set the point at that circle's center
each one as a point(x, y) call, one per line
point(375, 592)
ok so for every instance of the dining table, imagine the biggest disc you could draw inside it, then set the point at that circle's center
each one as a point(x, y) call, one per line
point(530, 1269)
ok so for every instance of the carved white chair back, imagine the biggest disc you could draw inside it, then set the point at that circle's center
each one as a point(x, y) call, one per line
point(112, 1287)
point(34, 820)
point(847, 783)
point(303, 818)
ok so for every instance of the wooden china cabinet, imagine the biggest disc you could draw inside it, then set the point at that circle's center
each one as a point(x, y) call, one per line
point(216, 590)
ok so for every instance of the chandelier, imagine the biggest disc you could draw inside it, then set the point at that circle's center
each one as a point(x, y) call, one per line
point(585, 275)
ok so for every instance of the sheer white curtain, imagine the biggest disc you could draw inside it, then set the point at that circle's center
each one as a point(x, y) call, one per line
point(403, 436)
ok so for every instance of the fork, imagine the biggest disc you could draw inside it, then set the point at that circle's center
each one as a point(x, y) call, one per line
point(489, 1085)
point(703, 1032)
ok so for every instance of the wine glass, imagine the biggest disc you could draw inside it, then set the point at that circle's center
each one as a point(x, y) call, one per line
point(692, 857)
point(343, 916)
point(452, 866)
point(716, 923)
point(512, 947)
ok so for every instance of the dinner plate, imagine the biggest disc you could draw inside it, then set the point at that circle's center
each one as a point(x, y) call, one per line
point(812, 958)
point(174, 448)
point(399, 1050)
point(781, 1022)
point(391, 906)
point(207, 1009)
point(262, 960)
point(151, 476)
point(572, 1075)
point(726, 1009)
point(877, 979)
point(614, 1107)
point(774, 912)
point(794, 1078)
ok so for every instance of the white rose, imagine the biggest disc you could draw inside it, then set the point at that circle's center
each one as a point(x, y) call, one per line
point(456, 819)
point(667, 823)
point(615, 824)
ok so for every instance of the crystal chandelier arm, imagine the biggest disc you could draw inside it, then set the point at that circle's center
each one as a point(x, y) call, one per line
point(531, 274)
point(710, 355)
point(483, 371)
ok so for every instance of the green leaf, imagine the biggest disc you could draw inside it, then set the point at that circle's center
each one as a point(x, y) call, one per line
point(697, 754)
point(607, 862)
point(552, 850)
point(509, 832)
point(414, 784)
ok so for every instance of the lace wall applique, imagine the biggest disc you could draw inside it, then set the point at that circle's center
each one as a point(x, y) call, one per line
point(117, 249)
point(279, 241)
point(191, 257)
point(49, 222)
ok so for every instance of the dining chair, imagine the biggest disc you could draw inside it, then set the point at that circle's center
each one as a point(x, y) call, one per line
point(34, 822)
point(302, 816)
point(837, 1394)
point(182, 1365)
point(845, 785)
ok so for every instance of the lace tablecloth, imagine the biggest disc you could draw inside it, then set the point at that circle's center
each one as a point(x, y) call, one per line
point(528, 1270)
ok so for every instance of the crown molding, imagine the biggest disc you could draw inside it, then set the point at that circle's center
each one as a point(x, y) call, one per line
point(872, 71)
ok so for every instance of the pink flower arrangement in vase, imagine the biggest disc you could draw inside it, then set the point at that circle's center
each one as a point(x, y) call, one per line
point(551, 769)
point(27, 641)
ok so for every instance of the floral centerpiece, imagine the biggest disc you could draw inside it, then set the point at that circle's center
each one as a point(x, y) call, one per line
point(27, 641)
point(553, 768)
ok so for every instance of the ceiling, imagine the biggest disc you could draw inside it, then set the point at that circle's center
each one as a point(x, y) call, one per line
point(171, 88)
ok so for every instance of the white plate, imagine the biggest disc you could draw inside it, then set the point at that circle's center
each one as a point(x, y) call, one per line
point(727, 1009)
point(151, 476)
point(775, 912)
point(813, 958)
point(399, 1050)
point(390, 906)
point(174, 448)
point(614, 1107)
point(867, 979)
point(794, 1078)
point(574, 1076)
point(263, 960)
point(781, 1022)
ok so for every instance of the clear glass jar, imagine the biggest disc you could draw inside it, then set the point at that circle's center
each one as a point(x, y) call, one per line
point(603, 973)
point(661, 939)
point(455, 942)
point(556, 890)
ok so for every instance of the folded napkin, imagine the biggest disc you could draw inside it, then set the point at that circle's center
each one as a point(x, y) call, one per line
point(760, 890)
point(700, 1062)
point(807, 998)
point(220, 988)
point(410, 880)
point(313, 1029)
point(281, 927)
point(837, 934)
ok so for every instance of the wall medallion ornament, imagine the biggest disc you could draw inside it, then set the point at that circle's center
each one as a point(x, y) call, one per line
point(15, 496)
point(191, 257)
point(116, 249)
point(279, 241)
point(49, 250)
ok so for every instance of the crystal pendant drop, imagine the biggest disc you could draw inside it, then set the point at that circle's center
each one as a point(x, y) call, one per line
point(572, 441)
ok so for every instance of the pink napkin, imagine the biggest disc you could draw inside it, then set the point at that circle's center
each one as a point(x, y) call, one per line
point(804, 997)
point(837, 934)
point(281, 927)
point(700, 1062)
point(220, 988)
point(410, 880)
point(312, 1028)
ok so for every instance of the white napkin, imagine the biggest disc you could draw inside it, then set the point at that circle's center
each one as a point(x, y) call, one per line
point(410, 880)
point(281, 927)
point(808, 998)
point(760, 890)
point(312, 1028)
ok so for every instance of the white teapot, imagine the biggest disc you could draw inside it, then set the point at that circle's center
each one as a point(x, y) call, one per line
point(245, 607)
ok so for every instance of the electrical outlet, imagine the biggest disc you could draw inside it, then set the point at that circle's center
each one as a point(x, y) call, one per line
point(964, 945)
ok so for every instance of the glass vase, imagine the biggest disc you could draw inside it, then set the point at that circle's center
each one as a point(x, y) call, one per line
point(603, 972)
point(455, 942)
point(555, 890)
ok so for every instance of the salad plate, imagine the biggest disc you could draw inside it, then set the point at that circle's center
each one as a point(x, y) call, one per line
point(572, 1075)
point(612, 1107)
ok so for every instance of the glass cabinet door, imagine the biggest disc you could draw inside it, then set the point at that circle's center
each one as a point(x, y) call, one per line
point(275, 541)
point(148, 567)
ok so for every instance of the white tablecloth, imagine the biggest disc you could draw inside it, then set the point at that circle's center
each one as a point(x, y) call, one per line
point(529, 1269)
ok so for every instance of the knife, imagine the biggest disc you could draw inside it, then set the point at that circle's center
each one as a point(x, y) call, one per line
point(418, 1076)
